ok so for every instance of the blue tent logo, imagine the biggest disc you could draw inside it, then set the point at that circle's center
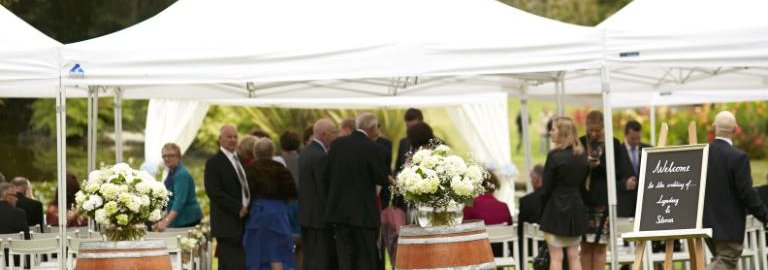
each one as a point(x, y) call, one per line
point(76, 71)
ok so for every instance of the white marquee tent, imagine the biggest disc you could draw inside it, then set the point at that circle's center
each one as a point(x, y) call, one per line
point(29, 60)
point(300, 53)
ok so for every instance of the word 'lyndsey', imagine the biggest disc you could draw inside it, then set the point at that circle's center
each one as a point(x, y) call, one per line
point(669, 167)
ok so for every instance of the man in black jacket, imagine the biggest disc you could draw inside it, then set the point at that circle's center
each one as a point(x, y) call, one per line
point(316, 235)
point(412, 117)
point(226, 187)
point(626, 191)
point(355, 167)
point(530, 207)
point(32, 208)
point(729, 195)
point(12, 219)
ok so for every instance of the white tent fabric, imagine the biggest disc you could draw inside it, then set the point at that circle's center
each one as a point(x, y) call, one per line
point(238, 41)
point(485, 127)
point(688, 33)
point(174, 121)
point(29, 60)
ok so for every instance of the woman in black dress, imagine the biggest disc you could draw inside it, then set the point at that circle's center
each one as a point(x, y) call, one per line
point(565, 172)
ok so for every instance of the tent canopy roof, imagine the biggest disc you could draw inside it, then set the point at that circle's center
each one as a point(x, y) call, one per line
point(239, 41)
point(28, 58)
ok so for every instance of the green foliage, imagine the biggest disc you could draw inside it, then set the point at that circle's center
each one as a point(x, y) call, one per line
point(275, 121)
point(44, 116)
point(583, 12)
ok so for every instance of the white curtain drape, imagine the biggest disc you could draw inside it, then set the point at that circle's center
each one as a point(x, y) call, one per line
point(485, 128)
point(170, 120)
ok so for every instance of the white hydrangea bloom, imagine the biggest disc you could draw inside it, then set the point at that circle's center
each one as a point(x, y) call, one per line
point(101, 216)
point(93, 202)
point(80, 197)
point(123, 168)
point(144, 187)
point(109, 191)
point(462, 188)
point(431, 161)
point(442, 149)
point(130, 201)
point(155, 215)
point(122, 219)
point(92, 187)
point(144, 201)
point(111, 208)
point(474, 173)
point(420, 155)
point(454, 165)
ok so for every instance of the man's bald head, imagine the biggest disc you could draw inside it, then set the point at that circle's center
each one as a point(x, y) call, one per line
point(725, 124)
point(228, 137)
point(325, 131)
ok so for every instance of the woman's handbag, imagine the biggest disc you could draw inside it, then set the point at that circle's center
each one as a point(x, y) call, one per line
point(541, 262)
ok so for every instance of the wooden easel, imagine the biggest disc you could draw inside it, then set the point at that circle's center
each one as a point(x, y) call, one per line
point(695, 244)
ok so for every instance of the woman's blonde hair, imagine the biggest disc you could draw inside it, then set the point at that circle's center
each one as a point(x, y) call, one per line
point(567, 134)
point(263, 149)
point(245, 148)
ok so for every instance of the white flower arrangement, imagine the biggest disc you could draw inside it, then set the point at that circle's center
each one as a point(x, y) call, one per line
point(436, 177)
point(122, 199)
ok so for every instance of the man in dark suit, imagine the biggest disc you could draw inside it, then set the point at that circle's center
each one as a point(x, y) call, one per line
point(32, 208)
point(729, 195)
point(530, 206)
point(226, 187)
point(626, 192)
point(316, 234)
point(355, 167)
point(12, 219)
point(412, 116)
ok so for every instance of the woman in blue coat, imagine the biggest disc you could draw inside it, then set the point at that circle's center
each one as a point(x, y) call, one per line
point(267, 236)
point(183, 208)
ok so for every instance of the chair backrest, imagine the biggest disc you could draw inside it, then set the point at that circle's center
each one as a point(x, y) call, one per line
point(34, 246)
point(500, 234)
point(19, 235)
point(171, 242)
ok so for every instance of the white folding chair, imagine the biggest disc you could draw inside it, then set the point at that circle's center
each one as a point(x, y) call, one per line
point(531, 233)
point(749, 255)
point(506, 235)
point(73, 248)
point(34, 248)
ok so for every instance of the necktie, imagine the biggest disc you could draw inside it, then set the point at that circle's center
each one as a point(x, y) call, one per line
point(633, 157)
point(241, 178)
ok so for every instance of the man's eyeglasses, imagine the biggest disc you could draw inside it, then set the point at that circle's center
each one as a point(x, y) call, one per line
point(170, 156)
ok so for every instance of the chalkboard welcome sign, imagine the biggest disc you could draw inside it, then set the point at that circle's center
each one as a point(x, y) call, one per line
point(671, 192)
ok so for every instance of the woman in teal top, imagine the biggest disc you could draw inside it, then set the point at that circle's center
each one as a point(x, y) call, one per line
point(183, 209)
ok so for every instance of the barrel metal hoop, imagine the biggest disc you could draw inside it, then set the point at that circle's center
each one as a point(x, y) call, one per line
point(123, 245)
point(111, 255)
point(440, 240)
point(482, 266)
point(460, 228)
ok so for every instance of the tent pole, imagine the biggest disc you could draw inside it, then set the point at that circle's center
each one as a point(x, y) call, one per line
point(653, 124)
point(93, 112)
point(610, 162)
point(61, 163)
point(560, 93)
point(526, 136)
point(118, 125)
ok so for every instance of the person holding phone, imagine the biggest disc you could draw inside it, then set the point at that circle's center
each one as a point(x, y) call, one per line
point(593, 245)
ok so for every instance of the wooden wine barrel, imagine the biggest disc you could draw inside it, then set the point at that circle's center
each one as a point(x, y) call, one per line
point(123, 255)
point(463, 246)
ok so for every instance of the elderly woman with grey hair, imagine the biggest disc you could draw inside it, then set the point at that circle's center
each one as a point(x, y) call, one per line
point(267, 236)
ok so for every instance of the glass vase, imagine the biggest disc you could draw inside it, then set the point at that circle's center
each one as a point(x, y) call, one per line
point(447, 215)
point(133, 232)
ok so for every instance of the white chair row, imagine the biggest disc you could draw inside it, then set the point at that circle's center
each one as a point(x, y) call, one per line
point(29, 249)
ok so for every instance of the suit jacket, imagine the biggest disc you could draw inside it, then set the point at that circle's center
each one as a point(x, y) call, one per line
point(32, 208)
point(224, 190)
point(598, 177)
point(355, 167)
point(402, 150)
point(561, 193)
point(386, 145)
point(627, 199)
point(729, 193)
point(12, 220)
point(313, 190)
